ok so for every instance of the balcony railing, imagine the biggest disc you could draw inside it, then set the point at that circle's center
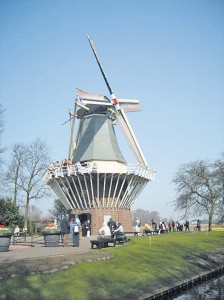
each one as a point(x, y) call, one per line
point(99, 167)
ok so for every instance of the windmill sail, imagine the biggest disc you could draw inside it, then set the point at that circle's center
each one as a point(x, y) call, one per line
point(123, 121)
point(131, 139)
point(87, 96)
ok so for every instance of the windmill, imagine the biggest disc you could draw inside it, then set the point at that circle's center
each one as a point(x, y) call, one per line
point(99, 183)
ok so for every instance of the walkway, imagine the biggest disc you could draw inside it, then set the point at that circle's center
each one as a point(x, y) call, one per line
point(22, 249)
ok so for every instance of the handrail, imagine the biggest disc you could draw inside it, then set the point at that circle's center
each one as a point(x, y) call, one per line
point(110, 167)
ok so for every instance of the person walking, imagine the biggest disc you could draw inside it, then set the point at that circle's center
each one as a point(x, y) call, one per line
point(199, 225)
point(137, 225)
point(65, 228)
point(88, 228)
point(173, 225)
point(76, 231)
point(154, 224)
point(112, 225)
point(187, 225)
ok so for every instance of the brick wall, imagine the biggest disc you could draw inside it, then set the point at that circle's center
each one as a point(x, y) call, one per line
point(122, 216)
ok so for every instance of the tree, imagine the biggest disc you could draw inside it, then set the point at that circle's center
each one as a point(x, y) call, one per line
point(34, 217)
point(219, 171)
point(27, 166)
point(59, 209)
point(13, 174)
point(10, 212)
point(145, 215)
point(200, 188)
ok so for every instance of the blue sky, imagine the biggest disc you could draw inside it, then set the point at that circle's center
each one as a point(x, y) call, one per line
point(168, 54)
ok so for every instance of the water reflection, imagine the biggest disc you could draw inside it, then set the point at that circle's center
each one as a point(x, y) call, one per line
point(210, 290)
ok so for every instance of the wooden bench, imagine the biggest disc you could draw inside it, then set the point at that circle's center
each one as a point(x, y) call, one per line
point(121, 238)
point(103, 242)
point(148, 231)
point(156, 231)
point(132, 232)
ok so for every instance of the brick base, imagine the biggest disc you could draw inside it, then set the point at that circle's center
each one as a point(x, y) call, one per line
point(98, 215)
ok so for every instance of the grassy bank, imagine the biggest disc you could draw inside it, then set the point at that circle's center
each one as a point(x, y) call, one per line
point(138, 267)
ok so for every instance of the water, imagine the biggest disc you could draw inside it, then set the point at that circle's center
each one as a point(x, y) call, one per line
point(210, 290)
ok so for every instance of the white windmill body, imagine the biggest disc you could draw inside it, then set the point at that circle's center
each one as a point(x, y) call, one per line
point(100, 183)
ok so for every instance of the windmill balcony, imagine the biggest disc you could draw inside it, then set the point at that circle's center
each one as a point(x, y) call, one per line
point(99, 167)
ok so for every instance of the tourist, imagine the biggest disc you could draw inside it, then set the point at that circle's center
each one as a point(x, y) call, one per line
point(163, 226)
point(88, 228)
point(78, 167)
point(173, 225)
point(64, 165)
point(154, 225)
point(51, 169)
point(105, 230)
point(137, 225)
point(56, 168)
point(181, 225)
point(146, 228)
point(65, 229)
point(199, 225)
point(76, 230)
point(119, 230)
point(187, 225)
point(112, 225)
point(177, 226)
point(71, 232)
point(160, 227)
point(169, 226)
point(17, 230)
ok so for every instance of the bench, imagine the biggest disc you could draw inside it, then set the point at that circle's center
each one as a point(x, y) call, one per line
point(103, 242)
point(156, 231)
point(148, 231)
point(132, 232)
point(121, 238)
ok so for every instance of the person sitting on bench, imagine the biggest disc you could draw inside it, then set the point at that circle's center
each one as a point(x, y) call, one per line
point(119, 230)
point(105, 230)
point(17, 231)
point(146, 229)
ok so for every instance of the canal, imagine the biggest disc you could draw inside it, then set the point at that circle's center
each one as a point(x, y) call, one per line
point(209, 290)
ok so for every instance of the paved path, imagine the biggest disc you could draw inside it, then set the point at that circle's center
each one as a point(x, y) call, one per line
point(22, 249)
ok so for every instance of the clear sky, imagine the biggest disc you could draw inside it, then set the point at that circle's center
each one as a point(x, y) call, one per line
point(167, 54)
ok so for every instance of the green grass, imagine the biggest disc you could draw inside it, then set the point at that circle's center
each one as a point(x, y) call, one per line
point(137, 268)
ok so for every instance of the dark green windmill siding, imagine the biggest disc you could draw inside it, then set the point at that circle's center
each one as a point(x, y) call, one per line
point(97, 140)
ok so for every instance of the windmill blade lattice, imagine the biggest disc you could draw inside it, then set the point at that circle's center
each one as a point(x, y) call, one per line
point(123, 121)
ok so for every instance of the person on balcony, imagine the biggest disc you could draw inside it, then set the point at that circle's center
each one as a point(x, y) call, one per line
point(64, 165)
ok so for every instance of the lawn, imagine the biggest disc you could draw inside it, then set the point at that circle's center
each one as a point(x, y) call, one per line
point(140, 266)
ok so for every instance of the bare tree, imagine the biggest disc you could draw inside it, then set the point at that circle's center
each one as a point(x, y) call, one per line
point(219, 172)
point(200, 189)
point(145, 215)
point(35, 216)
point(28, 163)
point(12, 176)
